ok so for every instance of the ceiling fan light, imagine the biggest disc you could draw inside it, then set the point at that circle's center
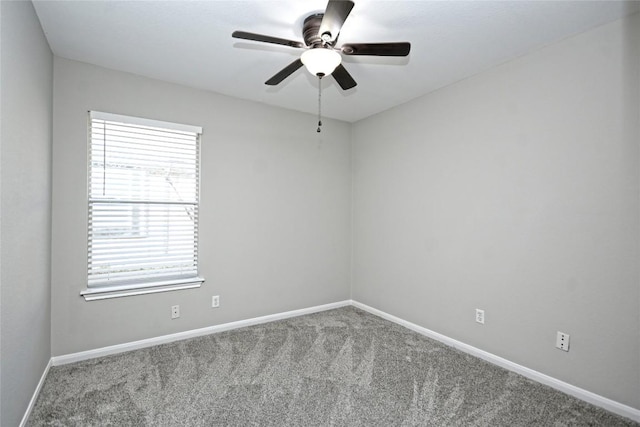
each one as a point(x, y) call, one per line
point(321, 61)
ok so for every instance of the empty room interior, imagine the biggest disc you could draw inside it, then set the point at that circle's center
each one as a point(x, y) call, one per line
point(458, 194)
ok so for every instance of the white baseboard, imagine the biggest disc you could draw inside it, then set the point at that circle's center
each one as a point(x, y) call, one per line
point(587, 396)
point(36, 393)
point(164, 339)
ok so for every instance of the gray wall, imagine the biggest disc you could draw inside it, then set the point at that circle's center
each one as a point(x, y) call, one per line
point(25, 195)
point(275, 209)
point(515, 191)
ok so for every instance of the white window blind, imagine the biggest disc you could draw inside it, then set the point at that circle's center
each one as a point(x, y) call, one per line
point(143, 203)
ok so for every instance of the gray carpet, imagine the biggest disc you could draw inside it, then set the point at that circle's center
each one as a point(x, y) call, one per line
point(341, 367)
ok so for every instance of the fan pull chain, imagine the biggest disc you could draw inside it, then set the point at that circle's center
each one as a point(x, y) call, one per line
point(319, 102)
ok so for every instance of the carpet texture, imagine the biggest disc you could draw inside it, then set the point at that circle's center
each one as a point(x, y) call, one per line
point(342, 367)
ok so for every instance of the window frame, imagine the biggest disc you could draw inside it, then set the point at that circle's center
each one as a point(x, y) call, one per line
point(162, 283)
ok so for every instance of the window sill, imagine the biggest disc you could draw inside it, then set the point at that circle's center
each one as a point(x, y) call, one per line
point(98, 293)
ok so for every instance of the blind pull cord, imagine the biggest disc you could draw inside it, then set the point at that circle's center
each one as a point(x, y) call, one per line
point(104, 158)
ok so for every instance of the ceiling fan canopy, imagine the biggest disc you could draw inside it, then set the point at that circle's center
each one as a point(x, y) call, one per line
point(322, 57)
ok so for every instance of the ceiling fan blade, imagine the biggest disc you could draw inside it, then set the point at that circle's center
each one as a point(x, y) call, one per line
point(334, 16)
point(377, 49)
point(266, 39)
point(284, 73)
point(343, 77)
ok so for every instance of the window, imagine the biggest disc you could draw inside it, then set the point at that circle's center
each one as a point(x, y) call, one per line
point(143, 206)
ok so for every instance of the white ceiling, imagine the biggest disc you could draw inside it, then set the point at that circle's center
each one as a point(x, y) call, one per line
point(189, 42)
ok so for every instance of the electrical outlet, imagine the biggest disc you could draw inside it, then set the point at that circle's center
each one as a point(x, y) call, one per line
point(562, 341)
point(215, 301)
point(175, 311)
point(480, 316)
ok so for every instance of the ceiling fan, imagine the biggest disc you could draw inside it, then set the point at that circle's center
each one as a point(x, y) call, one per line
point(322, 57)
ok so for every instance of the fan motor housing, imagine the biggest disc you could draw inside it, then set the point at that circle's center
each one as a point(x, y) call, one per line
point(310, 30)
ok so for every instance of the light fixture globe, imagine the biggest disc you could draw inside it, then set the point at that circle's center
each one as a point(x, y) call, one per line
point(321, 61)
